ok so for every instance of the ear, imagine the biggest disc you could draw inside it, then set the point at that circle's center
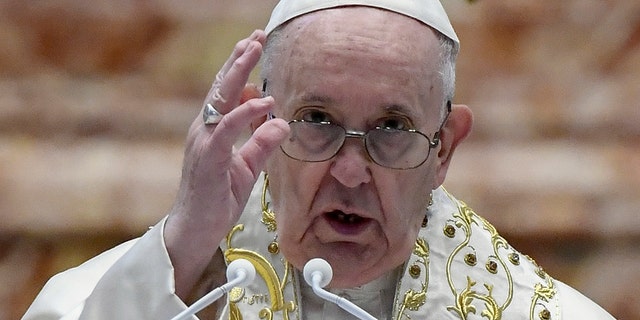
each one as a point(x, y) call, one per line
point(249, 92)
point(455, 130)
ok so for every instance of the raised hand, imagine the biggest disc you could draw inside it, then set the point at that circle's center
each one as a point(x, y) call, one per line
point(217, 178)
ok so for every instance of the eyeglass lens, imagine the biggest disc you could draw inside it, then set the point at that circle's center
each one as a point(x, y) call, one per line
point(320, 141)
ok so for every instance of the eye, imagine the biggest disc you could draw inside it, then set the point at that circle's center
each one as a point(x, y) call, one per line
point(395, 123)
point(314, 115)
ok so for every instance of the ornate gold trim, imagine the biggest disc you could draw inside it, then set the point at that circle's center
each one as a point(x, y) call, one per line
point(268, 216)
point(463, 219)
point(264, 269)
point(412, 299)
point(544, 292)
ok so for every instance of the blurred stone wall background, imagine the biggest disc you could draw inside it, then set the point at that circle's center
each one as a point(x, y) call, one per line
point(96, 98)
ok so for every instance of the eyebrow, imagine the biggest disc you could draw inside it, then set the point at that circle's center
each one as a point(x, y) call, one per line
point(400, 109)
point(311, 98)
point(314, 98)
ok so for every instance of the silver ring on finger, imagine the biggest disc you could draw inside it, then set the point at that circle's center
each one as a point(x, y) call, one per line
point(210, 115)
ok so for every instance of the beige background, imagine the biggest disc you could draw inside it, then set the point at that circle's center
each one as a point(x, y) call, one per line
point(96, 97)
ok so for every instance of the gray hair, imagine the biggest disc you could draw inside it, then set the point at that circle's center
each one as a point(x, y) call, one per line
point(448, 56)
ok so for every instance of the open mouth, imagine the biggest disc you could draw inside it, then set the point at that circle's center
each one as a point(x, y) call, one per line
point(345, 217)
point(346, 223)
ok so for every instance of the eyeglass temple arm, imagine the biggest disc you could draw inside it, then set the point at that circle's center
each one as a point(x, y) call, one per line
point(436, 137)
point(270, 115)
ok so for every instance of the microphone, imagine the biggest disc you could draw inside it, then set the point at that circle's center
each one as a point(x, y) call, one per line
point(318, 273)
point(240, 272)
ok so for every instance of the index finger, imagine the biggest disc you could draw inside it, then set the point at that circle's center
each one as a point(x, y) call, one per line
point(240, 48)
point(227, 88)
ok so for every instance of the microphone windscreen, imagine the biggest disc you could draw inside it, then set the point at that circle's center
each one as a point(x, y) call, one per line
point(318, 266)
point(241, 265)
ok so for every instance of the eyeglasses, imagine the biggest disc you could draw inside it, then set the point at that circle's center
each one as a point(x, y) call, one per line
point(391, 148)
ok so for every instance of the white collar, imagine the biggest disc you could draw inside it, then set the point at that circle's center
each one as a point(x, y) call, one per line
point(375, 297)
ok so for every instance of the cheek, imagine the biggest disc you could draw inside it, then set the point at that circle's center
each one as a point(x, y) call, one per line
point(280, 182)
point(409, 196)
point(292, 186)
point(403, 227)
point(405, 206)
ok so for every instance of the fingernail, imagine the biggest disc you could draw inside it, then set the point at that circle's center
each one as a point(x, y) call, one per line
point(254, 35)
point(267, 100)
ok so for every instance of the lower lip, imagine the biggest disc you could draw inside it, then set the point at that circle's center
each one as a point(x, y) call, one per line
point(347, 228)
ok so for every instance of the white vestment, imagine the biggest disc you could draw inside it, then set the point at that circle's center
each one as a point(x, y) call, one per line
point(460, 269)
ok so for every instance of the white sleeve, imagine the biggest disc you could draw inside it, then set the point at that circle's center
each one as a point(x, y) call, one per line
point(131, 281)
point(576, 306)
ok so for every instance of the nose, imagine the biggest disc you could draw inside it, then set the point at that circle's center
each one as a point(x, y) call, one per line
point(351, 166)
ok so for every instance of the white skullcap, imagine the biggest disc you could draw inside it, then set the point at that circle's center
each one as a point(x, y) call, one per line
point(429, 12)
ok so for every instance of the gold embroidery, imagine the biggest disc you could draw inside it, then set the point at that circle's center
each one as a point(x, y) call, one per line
point(545, 314)
point(413, 300)
point(234, 312)
point(266, 314)
point(470, 259)
point(414, 271)
point(514, 258)
point(256, 298)
point(273, 247)
point(465, 299)
point(463, 219)
point(492, 266)
point(498, 242)
point(236, 294)
point(268, 216)
point(450, 231)
point(421, 249)
point(541, 292)
point(275, 285)
point(544, 293)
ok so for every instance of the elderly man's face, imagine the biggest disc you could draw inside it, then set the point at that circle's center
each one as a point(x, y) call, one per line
point(360, 68)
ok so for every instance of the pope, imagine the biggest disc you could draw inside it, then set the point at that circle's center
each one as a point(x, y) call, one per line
point(353, 134)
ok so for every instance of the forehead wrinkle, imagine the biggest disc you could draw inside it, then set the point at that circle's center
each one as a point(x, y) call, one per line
point(318, 41)
point(396, 34)
point(379, 32)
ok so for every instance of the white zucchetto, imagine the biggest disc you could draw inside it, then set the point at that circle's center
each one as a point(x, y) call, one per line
point(429, 12)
